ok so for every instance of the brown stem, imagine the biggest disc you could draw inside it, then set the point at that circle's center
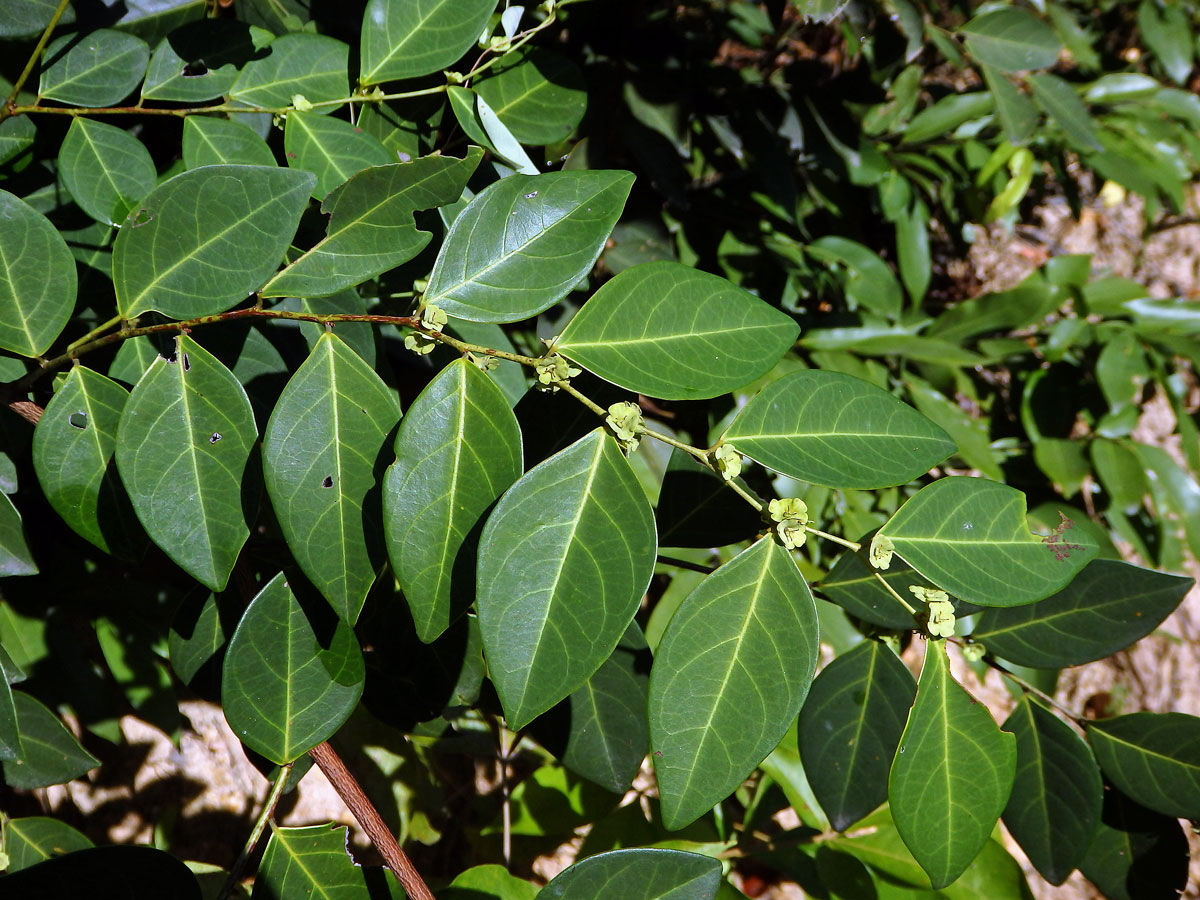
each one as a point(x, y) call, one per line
point(27, 410)
point(368, 817)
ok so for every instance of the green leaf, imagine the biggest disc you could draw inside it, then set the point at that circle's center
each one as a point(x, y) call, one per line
point(200, 60)
point(849, 729)
point(457, 450)
point(947, 114)
point(1136, 854)
point(674, 332)
point(202, 241)
point(969, 537)
point(912, 250)
point(869, 283)
point(16, 136)
point(371, 227)
point(833, 429)
point(99, 68)
point(538, 94)
point(106, 169)
point(332, 149)
point(284, 691)
point(729, 676)
point(209, 141)
point(952, 773)
point(311, 65)
point(489, 882)
point(313, 861)
point(650, 874)
point(132, 360)
point(1108, 606)
point(184, 444)
point(1153, 758)
point(72, 455)
point(27, 18)
point(563, 561)
point(1060, 101)
point(15, 558)
point(1168, 35)
point(409, 38)
point(52, 755)
point(1056, 796)
point(1018, 116)
point(321, 457)
point(37, 284)
point(34, 839)
point(1011, 39)
point(196, 635)
point(523, 243)
point(852, 585)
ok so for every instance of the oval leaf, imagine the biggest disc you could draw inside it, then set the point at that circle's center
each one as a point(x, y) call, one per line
point(952, 773)
point(409, 38)
point(73, 447)
point(209, 141)
point(969, 537)
point(311, 65)
point(729, 676)
point(52, 755)
point(650, 874)
point(524, 242)
point(332, 149)
point(539, 95)
point(15, 558)
point(1136, 854)
point(850, 727)
point(563, 562)
point(321, 457)
point(283, 692)
point(674, 332)
point(312, 862)
point(1107, 607)
point(106, 169)
point(833, 429)
point(183, 446)
point(1153, 758)
point(35, 839)
point(1056, 796)
point(1012, 40)
point(204, 240)
point(457, 450)
point(99, 68)
point(37, 279)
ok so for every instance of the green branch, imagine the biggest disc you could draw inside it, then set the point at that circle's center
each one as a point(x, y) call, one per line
point(11, 105)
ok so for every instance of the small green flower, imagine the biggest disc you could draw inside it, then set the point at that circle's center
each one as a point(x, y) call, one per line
point(973, 652)
point(881, 551)
point(419, 344)
point(791, 515)
point(300, 102)
point(729, 462)
point(627, 424)
point(941, 610)
point(433, 318)
point(485, 363)
point(554, 371)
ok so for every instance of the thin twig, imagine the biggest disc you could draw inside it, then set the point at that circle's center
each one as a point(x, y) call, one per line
point(891, 590)
point(1030, 688)
point(372, 823)
point(10, 106)
point(685, 564)
point(260, 825)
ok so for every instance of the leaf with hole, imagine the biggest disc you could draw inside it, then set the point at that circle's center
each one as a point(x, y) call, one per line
point(1011, 39)
point(283, 689)
point(98, 68)
point(524, 242)
point(564, 559)
point(34, 839)
point(969, 536)
point(201, 60)
point(52, 755)
point(332, 149)
point(952, 773)
point(729, 676)
point(322, 459)
point(849, 729)
point(184, 447)
point(409, 38)
point(650, 874)
point(457, 450)
point(828, 428)
point(37, 279)
point(311, 65)
point(371, 227)
point(106, 169)
point(1153, 758)
point(538, 94)
point(667, 330)
point(204, 240)
point(209, 141)
point(1106, 608)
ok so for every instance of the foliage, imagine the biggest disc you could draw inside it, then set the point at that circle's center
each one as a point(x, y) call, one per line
point(451, 382)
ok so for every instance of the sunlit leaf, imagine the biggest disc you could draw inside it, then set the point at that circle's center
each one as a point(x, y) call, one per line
point(651, 874)
point(34, 839)
point(98, 68)
point(106, 169)
point(311, 65)
point(52, 755)
point(1011, 39)
point(407, 38)
point(1058, 98)
point(37, 279)
point(332, 149)
point(1153, 758)
point(209, 141)
point(538, 94)
point(200, 61)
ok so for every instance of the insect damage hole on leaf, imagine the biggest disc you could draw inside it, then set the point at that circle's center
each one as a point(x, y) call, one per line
point(327, 481)
point(78, 420)
point(214, 437)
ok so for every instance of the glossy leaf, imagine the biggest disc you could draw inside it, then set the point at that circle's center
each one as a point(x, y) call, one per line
point(671, 331)
point(371, 227)
point(1106, 607)
point(282, 689)
point(1059, 99)
point(729, 676)
point(849, 729)
point(563, 561)
point(10, 731)
point(73, 448)
point(209, 141)
point(869, 283)
point(1011, 39)
point(1136, 854)
point(203, 240)
point(184, 443)
point(99, 68)
point(852, 584)
point(16, 136)
point(409, 38)
point(313, 861)
point(489, 882)
point(650, 874)
point(196, 635)
point(539, 95)
point(969, 537)
point(52, 755)
point(524, 242)
point(457, 450)
point(311, 65)
point(947, 114)
point(34, 839)
point(828, 428)
point(15, 557)
point(200, 60)
point(1153, 758)
point(332, 149)
point(1056, 795)
point(106, 169)
point(321, 458)
point(37, 279)
point(1168, 34)
point(952, 773)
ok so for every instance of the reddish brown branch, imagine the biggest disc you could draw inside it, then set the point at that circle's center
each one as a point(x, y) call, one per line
point(27, 410)
point(368, 817)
